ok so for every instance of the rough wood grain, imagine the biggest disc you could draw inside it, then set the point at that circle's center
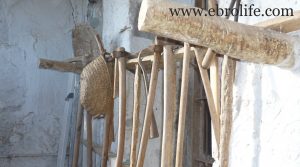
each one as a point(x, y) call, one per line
point(169, 107)
point(135, 116)
point(183, 105)
point(148, 112)
point(236, 40)
point(282, 24)
point(199, 52)
point(60, 66)
point(122, 111)
point(228, 75)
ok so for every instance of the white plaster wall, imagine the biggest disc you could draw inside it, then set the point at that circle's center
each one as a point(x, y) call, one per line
point(266, 126)
point(32, 100)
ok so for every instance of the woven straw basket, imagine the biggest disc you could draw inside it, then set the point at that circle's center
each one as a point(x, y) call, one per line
point(95, 87)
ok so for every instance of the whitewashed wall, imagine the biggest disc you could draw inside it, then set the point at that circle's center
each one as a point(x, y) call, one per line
point(32, 100)
point(266, 126)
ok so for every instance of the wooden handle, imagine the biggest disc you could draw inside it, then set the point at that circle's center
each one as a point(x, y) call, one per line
point(183, 105)
point(135, 116)
point(89, 132)
point(122, 111)
point(148, 112)
point(153, 127)
point(78, 135)
point(169, 107)
point(116, 79)
point(212, 109)
point(107, 135)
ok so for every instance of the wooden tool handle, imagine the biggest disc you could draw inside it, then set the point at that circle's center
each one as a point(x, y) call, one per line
point(89, 132)
point(136, 111)
point(148, 112)
point(183, 105)
point(212, 109)
point(169, 107)
point(122, 110)
point(78, 135)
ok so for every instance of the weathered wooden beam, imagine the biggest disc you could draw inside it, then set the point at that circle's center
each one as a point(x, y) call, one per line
point(60, 66)
point(240, 41)
point(282, 24)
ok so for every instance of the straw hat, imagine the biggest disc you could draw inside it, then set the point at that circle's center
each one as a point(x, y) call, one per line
point(95, 87)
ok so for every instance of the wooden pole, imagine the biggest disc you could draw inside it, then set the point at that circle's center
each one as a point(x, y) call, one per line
point(205, 79)
point(136, 120)
point(116, 79)
point(183, 105)
point(236, 40)
point(78, 135)
point(228, 75)
point(227, 78)
point(107, 135)
point(169, 107)
point(149, 108)
point(122, 111)
point(89, 148)
point(60, 66)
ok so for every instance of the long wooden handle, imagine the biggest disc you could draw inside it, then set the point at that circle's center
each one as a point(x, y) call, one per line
point(78, 135)
point(183, 105)
point(212, 109)
point(107, 135)
point(169, 107)
point(89, 149)
point(136, 111)
point(148, 112)
point(122, 111)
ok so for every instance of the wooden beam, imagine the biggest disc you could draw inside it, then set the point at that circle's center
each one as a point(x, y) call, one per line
point(169, 107)
point(60, 66)
point(282, 24)
point(236, 40)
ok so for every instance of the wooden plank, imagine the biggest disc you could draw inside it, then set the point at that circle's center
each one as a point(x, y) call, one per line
point(122, 111)
point(183, 105)
point(282, 24)
point(169, 107)
point(199, 52)
point(135, 116)
point(240, 41)
point(149, 108)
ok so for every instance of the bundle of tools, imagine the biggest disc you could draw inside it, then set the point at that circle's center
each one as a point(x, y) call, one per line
point(103, 76)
